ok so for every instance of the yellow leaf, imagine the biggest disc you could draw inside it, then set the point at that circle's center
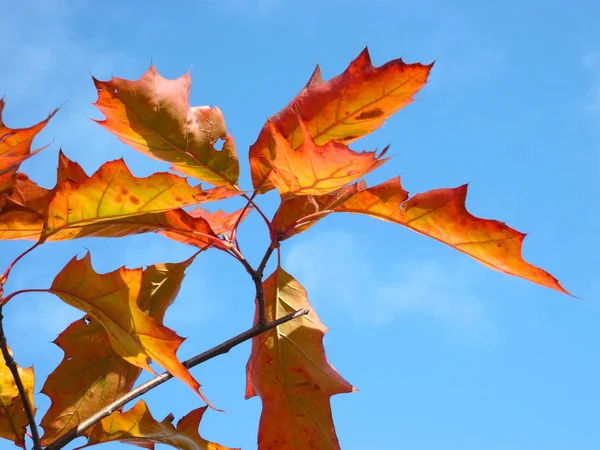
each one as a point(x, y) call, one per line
point(112, 300)
point(138, 427)
point(13, 420)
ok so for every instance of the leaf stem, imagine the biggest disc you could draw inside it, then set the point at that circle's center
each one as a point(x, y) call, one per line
point(4, 277)
point(251, 202)
point(12, 366)
point(160, 379)
point(5, 300)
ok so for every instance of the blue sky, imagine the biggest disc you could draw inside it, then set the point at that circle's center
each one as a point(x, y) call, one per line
point(446, 354)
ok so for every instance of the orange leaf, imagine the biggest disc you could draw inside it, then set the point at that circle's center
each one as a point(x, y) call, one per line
point(220, 221)
point(114, 193)
point(138, 427)
point(13, 420)
point(91, 374)
point(297, 214)
point(313, 169)
point(15, 147)
point(153, 115)
point(112, 300)
point(288, 369)
point(24, 214)
point(343, 109)
point(442, 215)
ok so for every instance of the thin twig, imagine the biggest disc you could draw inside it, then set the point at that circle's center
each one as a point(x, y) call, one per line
point(4, 277)
point(6, 299)
point(160, 379)
point(12, 366)
point(257, 277)
point(251, 202)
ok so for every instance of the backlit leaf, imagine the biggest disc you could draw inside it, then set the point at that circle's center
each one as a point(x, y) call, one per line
point(91, 374)
point(297, 214)
point(112, 300)
point(442, 215)
point(314, 170)
point(138, 427)
point(15, 147)
point(13, 420)
point(343, 109)
point(220, 221)
point(288, 369)
point(113, 193)
point(153, 115)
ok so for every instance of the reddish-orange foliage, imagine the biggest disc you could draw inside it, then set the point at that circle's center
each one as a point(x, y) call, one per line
point(303, 152)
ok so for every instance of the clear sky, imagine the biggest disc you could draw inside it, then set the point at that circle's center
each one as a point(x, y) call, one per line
point(446, 354)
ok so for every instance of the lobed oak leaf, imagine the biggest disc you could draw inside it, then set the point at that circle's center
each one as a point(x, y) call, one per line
point(442, 215)
point(92, 374)
point(113, 193)
point(15, 147)
point(138, 427)
point(25, 212)
point(13, 420)
point(153, 115)
point(316, 169)
point(288, 369)
point(112, 300)
point(343, 109)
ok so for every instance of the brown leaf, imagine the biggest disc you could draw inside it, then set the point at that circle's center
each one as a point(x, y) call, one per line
point(153, 115)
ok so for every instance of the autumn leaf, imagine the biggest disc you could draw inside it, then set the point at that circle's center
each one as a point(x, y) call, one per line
point(68, 170)
point(288, 369)
point(297, 214)
point(343, 109)
point(112, 300)
point(15, 147)
point(442, 215)
point(22, 216)
point(220, 221)
point(26, 210)
point(313, 169)
point(138, 427)
point(13, 420)
point(91, 374)
point(114, 193)
point(153, 115)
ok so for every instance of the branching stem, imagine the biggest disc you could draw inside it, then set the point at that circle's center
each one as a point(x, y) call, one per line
point(4, 277)
point(160, 379)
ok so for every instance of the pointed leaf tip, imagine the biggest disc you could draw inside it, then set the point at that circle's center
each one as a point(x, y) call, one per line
point(112, 300)
point(342, 109)
point(152, 115)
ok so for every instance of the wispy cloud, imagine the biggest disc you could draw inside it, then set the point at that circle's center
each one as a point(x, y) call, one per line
point(335, 270)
